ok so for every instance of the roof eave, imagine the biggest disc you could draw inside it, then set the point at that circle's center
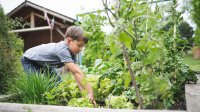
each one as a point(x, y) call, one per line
point(27, 3)
point(17, 9)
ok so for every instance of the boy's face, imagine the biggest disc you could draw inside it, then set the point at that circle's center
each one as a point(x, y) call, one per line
point(75, 46)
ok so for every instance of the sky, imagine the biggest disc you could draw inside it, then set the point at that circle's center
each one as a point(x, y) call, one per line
point(71, 8)
point(67, 7)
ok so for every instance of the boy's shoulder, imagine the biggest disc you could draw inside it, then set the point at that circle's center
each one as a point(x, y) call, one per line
point(61, 46)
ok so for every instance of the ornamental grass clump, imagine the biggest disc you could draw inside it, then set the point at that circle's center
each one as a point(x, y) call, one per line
point(31, 88)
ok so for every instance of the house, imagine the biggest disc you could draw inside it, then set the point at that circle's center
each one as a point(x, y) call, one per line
point(44, 25)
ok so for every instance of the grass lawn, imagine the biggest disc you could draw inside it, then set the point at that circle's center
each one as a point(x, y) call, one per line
point(194, 64)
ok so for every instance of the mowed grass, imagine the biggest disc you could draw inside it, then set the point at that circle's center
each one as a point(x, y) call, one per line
point(193, 63)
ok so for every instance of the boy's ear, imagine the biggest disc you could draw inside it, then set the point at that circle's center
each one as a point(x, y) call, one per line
point(68, 40)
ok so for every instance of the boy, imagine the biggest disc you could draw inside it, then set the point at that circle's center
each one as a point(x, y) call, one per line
point(49, 56)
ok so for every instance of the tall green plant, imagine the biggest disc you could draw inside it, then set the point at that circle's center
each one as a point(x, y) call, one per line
point(96, 48)
point(177, 71)
point(10, 52)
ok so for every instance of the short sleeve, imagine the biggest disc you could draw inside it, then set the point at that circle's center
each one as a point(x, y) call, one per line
point(65, 56)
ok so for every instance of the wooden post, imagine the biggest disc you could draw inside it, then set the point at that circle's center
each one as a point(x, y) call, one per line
point(32, 20)
point(51, 35)
point(60, 32)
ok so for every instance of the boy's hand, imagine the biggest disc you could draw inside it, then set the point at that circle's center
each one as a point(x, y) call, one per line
point(91, 98)
point(94, 104)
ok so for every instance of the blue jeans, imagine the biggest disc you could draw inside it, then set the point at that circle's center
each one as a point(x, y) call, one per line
point(32, 67)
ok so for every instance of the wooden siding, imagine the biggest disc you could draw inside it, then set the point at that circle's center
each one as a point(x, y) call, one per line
point(35, 38)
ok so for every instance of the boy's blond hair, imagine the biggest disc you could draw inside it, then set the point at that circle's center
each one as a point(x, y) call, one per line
point(76, 33)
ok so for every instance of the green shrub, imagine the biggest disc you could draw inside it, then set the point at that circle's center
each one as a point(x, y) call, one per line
point(197, 37)
point(10, 52)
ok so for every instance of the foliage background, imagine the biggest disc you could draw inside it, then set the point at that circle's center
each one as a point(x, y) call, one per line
point(155, 53)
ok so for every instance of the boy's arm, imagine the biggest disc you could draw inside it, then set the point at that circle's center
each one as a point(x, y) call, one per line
point(78, 75)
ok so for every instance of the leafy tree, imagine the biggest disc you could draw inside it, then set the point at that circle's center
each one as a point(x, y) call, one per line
point(195, 15)
point(186, 34)
point(10, 52)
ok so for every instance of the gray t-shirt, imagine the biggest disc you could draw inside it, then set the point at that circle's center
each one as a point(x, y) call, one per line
point(51, 54)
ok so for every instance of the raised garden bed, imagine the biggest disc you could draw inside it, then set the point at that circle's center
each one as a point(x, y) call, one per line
point(14, 107)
